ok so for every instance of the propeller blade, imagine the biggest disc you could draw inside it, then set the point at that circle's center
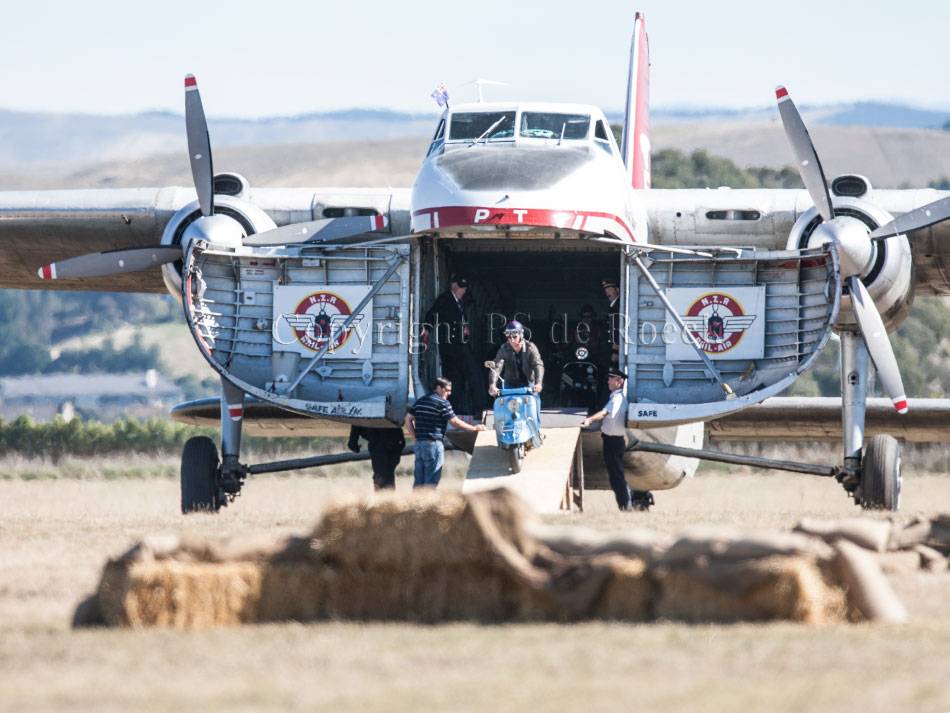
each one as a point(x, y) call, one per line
point(809, 167)
point(111, 262)
point(199, 146)
point(879, 347)
point(915, 219)
point(318, 231)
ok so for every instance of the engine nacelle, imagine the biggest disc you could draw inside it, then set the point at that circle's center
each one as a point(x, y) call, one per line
point(889, 275)
point(249, 219)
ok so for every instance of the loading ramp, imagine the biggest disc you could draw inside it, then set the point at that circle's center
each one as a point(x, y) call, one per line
point(551, 477)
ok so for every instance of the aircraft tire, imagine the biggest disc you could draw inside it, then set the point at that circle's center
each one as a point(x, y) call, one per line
point(516, 458)
point(881, 474)
point(199, 475)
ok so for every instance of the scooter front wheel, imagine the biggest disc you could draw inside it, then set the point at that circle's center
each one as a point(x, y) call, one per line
point(516, 458)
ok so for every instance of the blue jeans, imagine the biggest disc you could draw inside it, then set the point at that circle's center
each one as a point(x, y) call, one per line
point(430, 455)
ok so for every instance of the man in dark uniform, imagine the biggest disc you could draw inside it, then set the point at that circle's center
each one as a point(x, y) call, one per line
point(612, 293)
point(449, 319)
point(385, 450)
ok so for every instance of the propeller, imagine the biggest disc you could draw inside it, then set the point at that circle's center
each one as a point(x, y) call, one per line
point(213, 228)
point(111, 262)
point(199, 146)
point(318, 231)
point(853, 245)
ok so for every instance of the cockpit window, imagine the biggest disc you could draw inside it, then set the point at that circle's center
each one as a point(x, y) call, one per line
point(440, 130)
point(548, 125)
point(485, 125)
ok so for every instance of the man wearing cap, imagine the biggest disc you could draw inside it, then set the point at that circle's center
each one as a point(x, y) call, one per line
point(448, 318)
point(612, 293)
point(613, 433)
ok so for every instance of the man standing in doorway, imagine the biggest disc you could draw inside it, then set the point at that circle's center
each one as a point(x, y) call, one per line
point(425, 421)
point(613, 433)
point(612, 293)
point(448, 318)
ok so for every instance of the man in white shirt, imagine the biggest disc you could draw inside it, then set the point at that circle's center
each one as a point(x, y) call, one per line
point(613, 433)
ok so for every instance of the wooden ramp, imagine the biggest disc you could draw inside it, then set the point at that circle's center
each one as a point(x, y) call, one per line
point(548, 478)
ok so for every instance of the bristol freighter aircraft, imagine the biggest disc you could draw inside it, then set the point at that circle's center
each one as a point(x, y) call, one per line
point(308, 302)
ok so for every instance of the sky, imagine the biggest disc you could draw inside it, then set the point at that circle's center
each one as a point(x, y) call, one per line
point(280, 58)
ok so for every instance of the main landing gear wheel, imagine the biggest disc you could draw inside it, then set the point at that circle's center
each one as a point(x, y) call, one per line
point(199, 476)
point(516, 458)
point(880, 487)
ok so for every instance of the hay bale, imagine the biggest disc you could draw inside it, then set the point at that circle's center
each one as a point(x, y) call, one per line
point(875, 535)
point(432, 595)
point(179, 595)
point(772, 588)
point(868, 590)
point(422, 530)
point(628, 593)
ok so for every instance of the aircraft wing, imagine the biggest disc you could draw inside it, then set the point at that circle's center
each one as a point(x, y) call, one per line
point(763, 218)
point(784, 418)
point(41, 227)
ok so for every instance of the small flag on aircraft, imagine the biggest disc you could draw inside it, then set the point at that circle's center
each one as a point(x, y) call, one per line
point(441, 95)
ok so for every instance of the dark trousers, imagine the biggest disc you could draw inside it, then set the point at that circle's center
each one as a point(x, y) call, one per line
point(614, 447)
point(384, 458)
point(468, 388)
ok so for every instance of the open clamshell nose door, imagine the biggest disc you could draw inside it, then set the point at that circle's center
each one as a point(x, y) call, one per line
point(761, 318)
point(316, 329)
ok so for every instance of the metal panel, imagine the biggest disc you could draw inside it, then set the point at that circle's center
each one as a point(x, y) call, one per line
point(229, 298)
point(801, 304)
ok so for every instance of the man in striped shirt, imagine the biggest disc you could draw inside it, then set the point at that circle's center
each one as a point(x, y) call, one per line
point(426, 421)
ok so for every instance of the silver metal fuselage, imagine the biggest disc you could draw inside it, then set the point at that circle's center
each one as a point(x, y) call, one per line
point(526, 183)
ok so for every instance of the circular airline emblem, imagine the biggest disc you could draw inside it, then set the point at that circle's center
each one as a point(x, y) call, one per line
point(318, 317)
point(717, 321)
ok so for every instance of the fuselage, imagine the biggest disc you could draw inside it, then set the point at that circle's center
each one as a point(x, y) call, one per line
point(525, 170)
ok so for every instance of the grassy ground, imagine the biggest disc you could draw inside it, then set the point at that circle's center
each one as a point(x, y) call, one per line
point(55, 535)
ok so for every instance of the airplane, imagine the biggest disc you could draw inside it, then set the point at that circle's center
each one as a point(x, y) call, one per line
point(307, 302)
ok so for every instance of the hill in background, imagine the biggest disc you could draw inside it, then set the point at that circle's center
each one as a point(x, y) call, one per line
point(893, 145)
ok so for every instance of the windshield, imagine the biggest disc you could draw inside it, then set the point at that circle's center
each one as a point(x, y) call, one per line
point(471, 125)
point(548, 125)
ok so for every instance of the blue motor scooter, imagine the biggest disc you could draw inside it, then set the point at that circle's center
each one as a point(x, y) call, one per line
point(517, 420)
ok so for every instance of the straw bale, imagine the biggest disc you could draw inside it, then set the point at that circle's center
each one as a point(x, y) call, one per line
point(628, 593)
point(930, 559)
point(439, 594)
point(291, 591)
point(776, 587)
point(581, 541)
point(421, 530)
point(733, 544)
point(875, 535)
point(246, 547)
point(179, 594)
point(868, 590)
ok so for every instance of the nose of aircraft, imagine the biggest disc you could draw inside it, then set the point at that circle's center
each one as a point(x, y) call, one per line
point(520, 169)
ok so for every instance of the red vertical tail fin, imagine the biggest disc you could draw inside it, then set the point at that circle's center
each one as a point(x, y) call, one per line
point(636, 121)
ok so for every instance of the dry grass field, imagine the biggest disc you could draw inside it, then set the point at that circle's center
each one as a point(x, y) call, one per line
point(55, 535)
